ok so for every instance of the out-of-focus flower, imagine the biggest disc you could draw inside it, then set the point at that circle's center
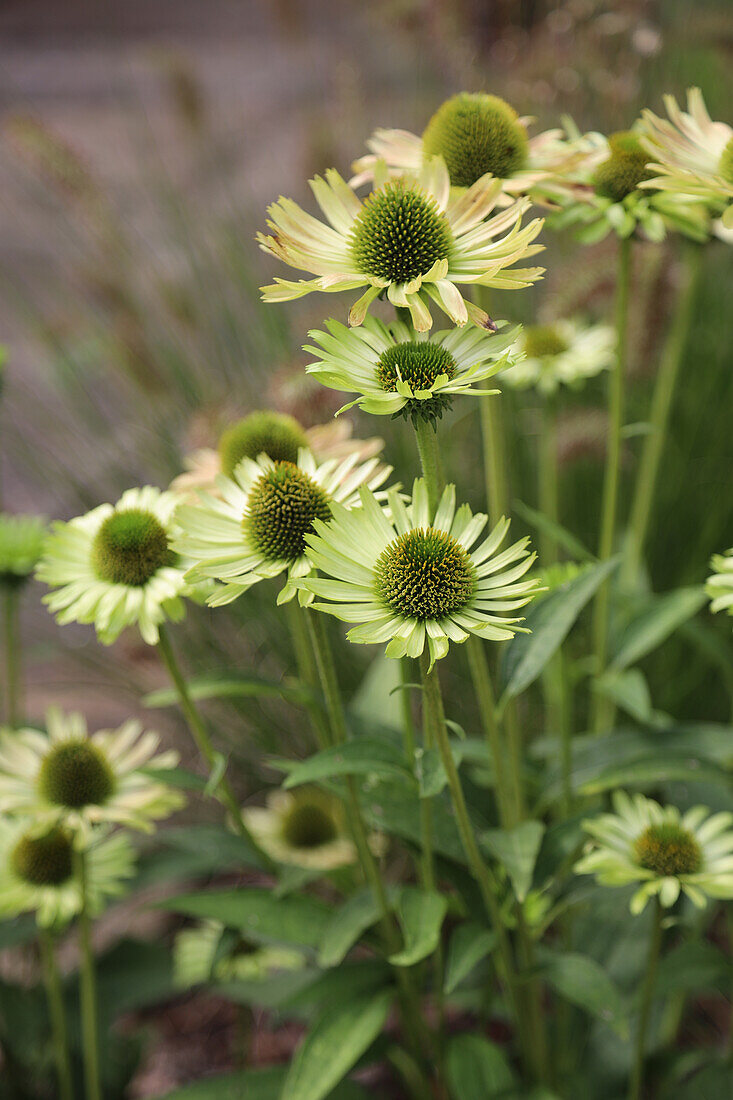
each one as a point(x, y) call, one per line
point(114, 567)
point(397, 370)
point(719, 585)
point(209, 952)
point(257, 526)
point(563, 353)
point(305, 827)
point(409, 239)
point(37, 870)
point(690, 154)
point(68, 776)
point(409, 578)
point(667, 852)
point(21, 546)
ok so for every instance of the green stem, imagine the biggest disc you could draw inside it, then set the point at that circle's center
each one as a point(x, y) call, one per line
point(494, 454)
point(647, 993)
point(87, 987)
point(547, 480)
point(57, 1015)
point(307, 670)
point(481, 676)
point(433, 702)
point(662, 399)
point(11, 631)
point(427, 446)
point(200, 734)
point(616, 381)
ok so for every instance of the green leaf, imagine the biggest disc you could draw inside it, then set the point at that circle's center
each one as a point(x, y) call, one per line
point(17, 931)
point(295, 919)
point(469, 944)
point(378, 693)
point(363, 756)
point(694, 967)
point(421, 914)
point(346, 926)
point(334, 1045)
point(181, 778)
point(558, 534)
point(549, 619)
point(476, 1069)
point(253, 1084)
point(517, 849)
point(430, 772)
point(655, 623)
point(629, 691)
point(216, 847)
point(234, 686)
point(217, 774)
point(583, 982)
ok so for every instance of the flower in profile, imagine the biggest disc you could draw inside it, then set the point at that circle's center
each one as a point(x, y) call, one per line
point(409, 239)
point(563, 353)
point(277, 435)
point(410, 578)
point(402, 372)
point(257, 526)
point(476, 135)
point(663, 850)
point(719, 586)
point(305, 827)
point(37, 870)
point(68, 776)
point(21, 546)
point(690, 154)
point(210, 952)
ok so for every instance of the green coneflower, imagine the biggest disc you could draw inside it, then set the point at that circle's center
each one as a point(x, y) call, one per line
point(399, 371)
point(66, 775)
point(475, 134)
point(210, 952)
point(563, 353)
point(257, 528)
point(21, 546)
point(411, 579)
point(690, 154)
point(114, 567)
point(37, 872)
point(305, 827)
point(409, 239)
point(663, 850)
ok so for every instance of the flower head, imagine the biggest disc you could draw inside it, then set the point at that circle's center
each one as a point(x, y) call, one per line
point(563, 353)
point(476, 135)
point(411, 579)
point(69, 776)
point(719, 585)
point(21, 546)
point(690, 154)
point(663, 850)
point(37, 870)
point(258, 526)
point(210, 952)
point(305, 827)
point(409, 239)
point(402, 372)
point(114, 567)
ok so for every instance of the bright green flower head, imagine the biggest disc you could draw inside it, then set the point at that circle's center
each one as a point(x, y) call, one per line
point(409, 577)
point(663, 850)
point(21, 546)
point(114, 567)
point(37, 870)
point(67, 776)
point(476, 134)
point(624, 168)
point(274, 434)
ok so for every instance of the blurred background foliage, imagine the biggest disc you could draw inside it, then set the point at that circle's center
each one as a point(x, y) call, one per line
point(139, 149)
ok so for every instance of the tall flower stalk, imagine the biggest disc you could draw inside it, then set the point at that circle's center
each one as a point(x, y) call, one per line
point(57, 1014)
point(88, 987)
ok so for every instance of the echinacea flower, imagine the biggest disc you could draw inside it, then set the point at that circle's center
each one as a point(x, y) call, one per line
point(475, 134)
point(397, 370)
point(719, 586)
point(21, 546)
point(277, 435)
point(409, 239)
point(37, 873)
point(210, 952)
point(562, 353)
point(690, 154)
point(663, 850)
point(411, 579)
point(305, 827)
point(114, 566)
point(257, 526)
point(67, 775)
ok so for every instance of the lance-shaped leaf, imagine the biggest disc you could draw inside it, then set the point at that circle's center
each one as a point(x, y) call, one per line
point(469, 944)
point(654, 624)
point(584, 982)
point(421, 914)
point(476, 1068)
point(345, 927)
point(517, 849)
point(363, 756)
point(295, 919)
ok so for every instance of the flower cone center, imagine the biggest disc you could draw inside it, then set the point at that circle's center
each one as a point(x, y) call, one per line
point(44, 860)
point(668, 850)
point(309, 826)
point(476, 134)
point(130, 547)
point(76, 774)
point(425, 574)
point(274, 434)
point(283, 504)
point(399, 234)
